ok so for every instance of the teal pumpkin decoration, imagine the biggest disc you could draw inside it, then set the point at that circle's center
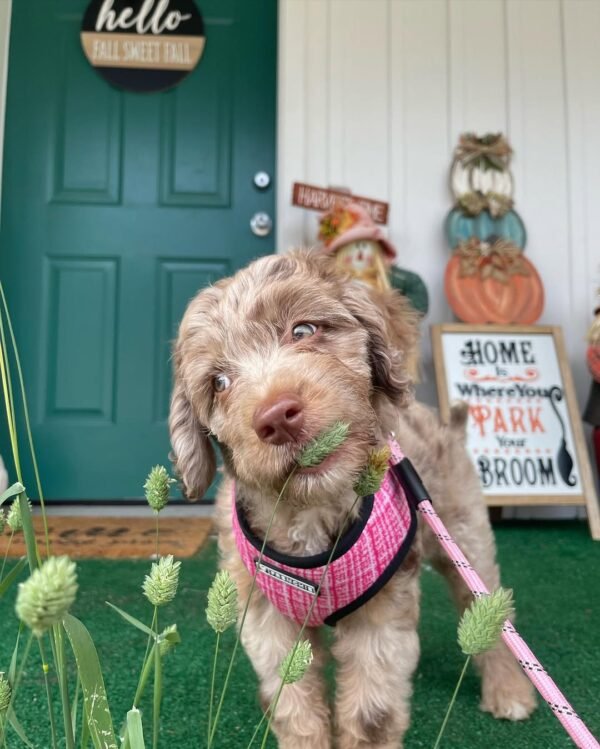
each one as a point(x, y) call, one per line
point(460, 227)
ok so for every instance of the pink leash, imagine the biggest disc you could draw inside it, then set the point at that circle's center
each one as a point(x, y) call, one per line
point(533, 669)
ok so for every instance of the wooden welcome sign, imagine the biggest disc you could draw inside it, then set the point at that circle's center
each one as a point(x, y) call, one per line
point(143, 45)
point(324, 198)
point(524, 431)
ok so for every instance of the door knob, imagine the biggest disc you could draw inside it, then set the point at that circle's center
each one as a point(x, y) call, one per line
point(261, 224)
point(261, 180)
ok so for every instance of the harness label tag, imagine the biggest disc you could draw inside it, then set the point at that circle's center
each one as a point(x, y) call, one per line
point(286, 577)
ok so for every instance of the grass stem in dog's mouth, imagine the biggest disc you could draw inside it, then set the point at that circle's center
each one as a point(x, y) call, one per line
point(324, 445)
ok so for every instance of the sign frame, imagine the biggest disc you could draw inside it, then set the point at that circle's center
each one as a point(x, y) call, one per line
point(588, 497)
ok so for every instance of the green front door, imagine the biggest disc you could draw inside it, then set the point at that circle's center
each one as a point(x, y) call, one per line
point(116, 208)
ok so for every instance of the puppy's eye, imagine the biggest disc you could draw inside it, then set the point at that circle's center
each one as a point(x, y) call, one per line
point(303, 330)
point(221, 382)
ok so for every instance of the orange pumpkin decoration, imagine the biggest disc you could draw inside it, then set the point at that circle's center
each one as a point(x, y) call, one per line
point(482, 297)
point(593, 361)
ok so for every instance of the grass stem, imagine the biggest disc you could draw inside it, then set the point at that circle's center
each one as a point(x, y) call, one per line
point(147, 665)
point(45, 668)
point(452, 701)
point(26, 415)
point(212, 684)
point(245, 611)
point(12, 533)
point(61, 668)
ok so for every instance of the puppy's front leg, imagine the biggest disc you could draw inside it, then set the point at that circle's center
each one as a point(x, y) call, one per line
point(302, 716)
point(377, 649)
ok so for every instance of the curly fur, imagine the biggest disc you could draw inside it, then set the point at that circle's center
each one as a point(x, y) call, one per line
point(354, 369)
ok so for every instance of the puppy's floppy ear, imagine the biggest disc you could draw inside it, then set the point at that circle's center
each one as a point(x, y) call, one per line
point(193, 455)
point(392, 325)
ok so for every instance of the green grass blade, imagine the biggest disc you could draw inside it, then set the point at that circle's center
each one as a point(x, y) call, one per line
point(12, 671)
point(75, 706)
point(33, 555)
point(132, 620)
point(14, 674)
point(134, 729)
point(92, 684)
point(26, 414)
point(10, 578)
point(12, 491)
point(18, 728)
point(85, 731)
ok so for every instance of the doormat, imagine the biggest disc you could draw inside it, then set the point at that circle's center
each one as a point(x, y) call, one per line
point(114, 537)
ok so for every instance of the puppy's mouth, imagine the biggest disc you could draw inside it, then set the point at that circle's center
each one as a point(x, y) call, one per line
point(323, 466)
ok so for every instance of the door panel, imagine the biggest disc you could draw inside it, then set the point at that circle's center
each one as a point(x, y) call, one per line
point(117, 208)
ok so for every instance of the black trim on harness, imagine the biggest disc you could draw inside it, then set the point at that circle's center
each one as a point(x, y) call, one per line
point(385, 576)
point(411, 481)
point(346, 542)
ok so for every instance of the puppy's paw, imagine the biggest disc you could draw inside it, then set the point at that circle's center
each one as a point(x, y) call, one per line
point(510, 700)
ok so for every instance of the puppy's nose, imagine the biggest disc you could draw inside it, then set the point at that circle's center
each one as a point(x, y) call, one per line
point(279, 420)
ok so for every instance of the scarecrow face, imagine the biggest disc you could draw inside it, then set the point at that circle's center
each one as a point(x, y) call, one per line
point(359, 256)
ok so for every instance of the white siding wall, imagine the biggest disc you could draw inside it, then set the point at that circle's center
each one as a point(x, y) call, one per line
point(374, 93)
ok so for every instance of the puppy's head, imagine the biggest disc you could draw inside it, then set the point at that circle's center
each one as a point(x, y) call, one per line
point(268, 359)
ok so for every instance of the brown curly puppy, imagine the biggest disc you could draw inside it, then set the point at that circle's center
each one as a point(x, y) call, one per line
point(264, 362)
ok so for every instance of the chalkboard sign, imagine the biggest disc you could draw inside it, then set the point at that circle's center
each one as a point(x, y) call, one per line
point(143, 45)
point(524, 431)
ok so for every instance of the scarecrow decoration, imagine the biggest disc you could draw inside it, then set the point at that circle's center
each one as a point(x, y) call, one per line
point(360, 247)
point(592, 409)
point(488, 278)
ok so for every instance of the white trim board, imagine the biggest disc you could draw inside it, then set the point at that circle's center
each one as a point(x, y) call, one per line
point(5, 15)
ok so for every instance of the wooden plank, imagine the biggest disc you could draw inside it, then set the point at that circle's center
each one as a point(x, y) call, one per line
point(291, 135)
point(531, 500)
point(5, 15)
point(364, 107)
point(477, 67)
point(536, 130)
point(581, 31)
point(336, 94)
point(316, 103)
point(420, 151)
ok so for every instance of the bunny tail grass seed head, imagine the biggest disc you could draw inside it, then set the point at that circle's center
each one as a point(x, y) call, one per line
point(222, 609)
point(296, 662)
point(47, 595)
point(480, 627)
point(2, 521)
point(5, 693)
point(323, 446)
point(14, 519)
point(168, 639)
point(157, 488)
point(370, 479)
point(160, 586)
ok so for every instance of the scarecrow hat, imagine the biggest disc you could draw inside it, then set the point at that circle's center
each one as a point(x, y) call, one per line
point(348, 223)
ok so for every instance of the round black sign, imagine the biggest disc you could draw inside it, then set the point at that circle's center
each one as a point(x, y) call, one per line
point(143, 45)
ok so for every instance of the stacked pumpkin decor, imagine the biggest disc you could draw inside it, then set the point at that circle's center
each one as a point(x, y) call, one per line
point(488, 278)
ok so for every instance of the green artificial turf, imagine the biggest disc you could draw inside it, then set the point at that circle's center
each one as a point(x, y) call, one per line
point(553, 568)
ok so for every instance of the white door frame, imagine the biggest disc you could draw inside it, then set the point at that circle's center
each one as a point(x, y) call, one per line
point(5, 14)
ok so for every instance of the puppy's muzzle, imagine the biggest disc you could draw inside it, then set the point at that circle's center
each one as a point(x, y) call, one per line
point(279, 419)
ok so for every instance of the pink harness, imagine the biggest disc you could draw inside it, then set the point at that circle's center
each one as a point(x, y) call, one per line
point(365, 559)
